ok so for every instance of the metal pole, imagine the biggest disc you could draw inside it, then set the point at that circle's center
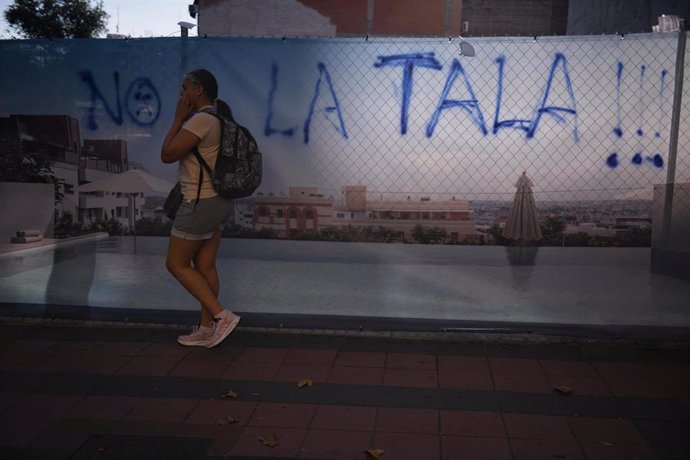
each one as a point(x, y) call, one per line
point(675, 126)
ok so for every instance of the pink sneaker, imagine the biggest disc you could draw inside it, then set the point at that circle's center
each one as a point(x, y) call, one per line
point(197, 338)
point(222, 329)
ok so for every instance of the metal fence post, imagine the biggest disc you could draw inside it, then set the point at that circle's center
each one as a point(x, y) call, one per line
point(675, 126)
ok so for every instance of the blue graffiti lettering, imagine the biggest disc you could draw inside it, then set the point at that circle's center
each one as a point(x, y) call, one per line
point(639, 131)
point(523, 125)
point(612, 160)
point(470, 105)
point(87, 77)
point(617, 130)
point(555, 111)
point(662, 85)
point(142, 101)
point(408, 63)
point(268, 129)
point(323, 74)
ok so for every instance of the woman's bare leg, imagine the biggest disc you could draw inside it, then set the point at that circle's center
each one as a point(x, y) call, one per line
point(181, 253)
point(205, 263)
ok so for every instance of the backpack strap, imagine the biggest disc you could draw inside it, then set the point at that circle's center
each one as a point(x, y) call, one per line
point(202, 165)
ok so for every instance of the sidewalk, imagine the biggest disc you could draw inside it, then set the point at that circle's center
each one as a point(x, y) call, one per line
point(99, 392)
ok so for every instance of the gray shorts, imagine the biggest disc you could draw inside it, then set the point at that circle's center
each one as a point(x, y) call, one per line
point(199, 221)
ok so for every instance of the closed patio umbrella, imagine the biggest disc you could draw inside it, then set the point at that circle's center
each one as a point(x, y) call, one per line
point(523, 221)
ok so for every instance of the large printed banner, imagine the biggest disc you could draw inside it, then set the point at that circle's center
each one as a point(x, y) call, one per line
point(587, 117)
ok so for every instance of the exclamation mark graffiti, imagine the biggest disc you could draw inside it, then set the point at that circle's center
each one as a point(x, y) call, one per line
point(612, 159)
point(641, 109)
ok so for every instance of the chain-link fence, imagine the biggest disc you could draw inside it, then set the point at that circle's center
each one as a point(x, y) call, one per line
point(590, 120)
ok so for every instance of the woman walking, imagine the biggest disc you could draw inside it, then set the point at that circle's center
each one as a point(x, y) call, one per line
point(196, 231)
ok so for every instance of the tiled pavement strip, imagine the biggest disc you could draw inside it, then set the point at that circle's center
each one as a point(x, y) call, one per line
point(102, 392)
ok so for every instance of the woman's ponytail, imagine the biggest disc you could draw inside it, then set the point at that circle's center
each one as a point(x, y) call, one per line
point(224, 110)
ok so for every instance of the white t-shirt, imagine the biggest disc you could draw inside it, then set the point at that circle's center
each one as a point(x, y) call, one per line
point(207, 128)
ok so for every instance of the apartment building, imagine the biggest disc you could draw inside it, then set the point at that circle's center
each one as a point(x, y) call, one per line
point(58, 137)
point(304, 210)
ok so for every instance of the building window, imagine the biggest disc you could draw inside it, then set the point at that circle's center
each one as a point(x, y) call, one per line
point(263, 212)
point(69, 189)
point(293, 214)
point(309, 215)
point(279, 213)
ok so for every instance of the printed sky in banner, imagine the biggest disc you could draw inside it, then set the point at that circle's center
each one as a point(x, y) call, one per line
point(587, 117)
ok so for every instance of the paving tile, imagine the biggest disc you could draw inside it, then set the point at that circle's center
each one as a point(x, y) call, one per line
point(568, 368)
point(262, 355)
point(74, 347)
point(44, 407)
point(97, 364)
point(335, 445)
point(480, 424)
point(403, 420)
point(468, 400)
point(95, 407)
point(244, 370)
point(608, 451)
point(208, 412)
point(223, 437)
point(581, 385)
point(184, 387)
point(170, 349)
point(288, 442)
point(138, 446)
point(361, 359)
point(529, 426)
point(474, 364)
point(516, 368)
point(353, 418)
point(9, 399)
point(350, 375)
point(146, 428)
point(410, 378)
point(149, 365)
point(26, 382)
point(282, 415)
point(311, 357)
point(541, 449)
point(27, 346)
point(464, 380)
point(611, 430)
point(120, 348)
point(199, 369)
point(531, 383)
point(46, 362)
point(655, 409)
point(463, 448)
point(161, 410)
point(11, 360)
point(18, 432)
point(408, 446)
point(411, 361)
point(643, 388)
point(668, 439)
point(129, 385)
point(612, 371)
point(69, 435)
point(297, 372)
point(75, 384)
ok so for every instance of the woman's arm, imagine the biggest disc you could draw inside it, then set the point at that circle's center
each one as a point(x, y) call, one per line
point(179, 142)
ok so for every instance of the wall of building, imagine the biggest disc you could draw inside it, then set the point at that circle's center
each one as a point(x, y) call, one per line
point(587, 17)
point(25, 206)
point(268, 18)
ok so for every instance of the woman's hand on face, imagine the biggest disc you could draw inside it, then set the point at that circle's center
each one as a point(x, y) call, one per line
point(184, 107)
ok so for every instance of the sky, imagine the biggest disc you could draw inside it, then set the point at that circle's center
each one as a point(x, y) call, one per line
point(136, 18)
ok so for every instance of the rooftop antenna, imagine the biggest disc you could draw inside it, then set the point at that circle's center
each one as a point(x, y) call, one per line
point(117, 26)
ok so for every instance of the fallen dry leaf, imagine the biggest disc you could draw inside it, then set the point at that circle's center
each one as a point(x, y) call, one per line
point(305, 383)
point(227, 420)
point(268, 440)
point(565, 390)
point(607, 444)
point(229, 394)
point(375, 453)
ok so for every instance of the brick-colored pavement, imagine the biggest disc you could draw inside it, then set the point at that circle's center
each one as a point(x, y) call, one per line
point(113, 392)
